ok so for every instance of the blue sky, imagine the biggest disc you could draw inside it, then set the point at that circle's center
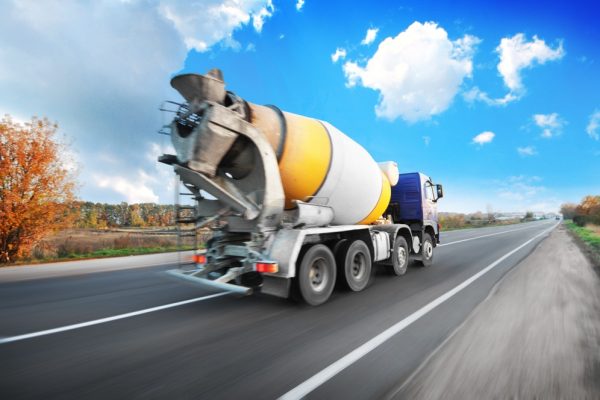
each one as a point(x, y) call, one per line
point(496, 102)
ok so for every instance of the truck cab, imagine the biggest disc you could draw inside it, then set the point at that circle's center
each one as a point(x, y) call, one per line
point(414, 203)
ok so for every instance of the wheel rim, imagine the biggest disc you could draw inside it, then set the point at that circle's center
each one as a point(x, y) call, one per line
point(359, 265)
point(428, 249)
point(401, 256)
point(318, 275)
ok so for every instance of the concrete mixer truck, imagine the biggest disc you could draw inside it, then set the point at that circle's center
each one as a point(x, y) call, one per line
point(295, 205)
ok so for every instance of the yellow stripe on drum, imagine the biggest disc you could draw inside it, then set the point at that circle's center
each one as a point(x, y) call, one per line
point(305, 159)
point(382, 203)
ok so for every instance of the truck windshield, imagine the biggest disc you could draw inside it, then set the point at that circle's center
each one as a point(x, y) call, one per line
point(429, 191)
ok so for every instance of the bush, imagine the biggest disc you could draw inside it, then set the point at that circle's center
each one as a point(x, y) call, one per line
point(583, 220)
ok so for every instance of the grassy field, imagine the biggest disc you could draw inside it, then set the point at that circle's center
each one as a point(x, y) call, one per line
point(449, 226)
point(590, 234)
point(95, 243)
point(589, 239)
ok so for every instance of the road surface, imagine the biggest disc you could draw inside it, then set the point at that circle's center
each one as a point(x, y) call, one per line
point(537, 336)
point(136, 333)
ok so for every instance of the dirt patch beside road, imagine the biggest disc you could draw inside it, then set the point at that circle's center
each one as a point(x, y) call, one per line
point(536, 336)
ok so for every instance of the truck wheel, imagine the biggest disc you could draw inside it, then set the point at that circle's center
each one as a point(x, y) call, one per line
point(354, 261)
point(316, 275)
point(426, 251)
point(400, 256)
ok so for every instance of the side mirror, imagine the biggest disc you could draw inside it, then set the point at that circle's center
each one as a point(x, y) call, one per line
point(440, 191)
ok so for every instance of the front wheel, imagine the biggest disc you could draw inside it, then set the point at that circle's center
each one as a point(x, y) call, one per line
point(426, 251)
point(316, 275)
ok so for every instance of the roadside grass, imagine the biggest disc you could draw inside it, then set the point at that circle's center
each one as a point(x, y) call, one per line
point(588, 238)
point(79, 244)
point(105, 253)
point(483, 224)
point(589, 234)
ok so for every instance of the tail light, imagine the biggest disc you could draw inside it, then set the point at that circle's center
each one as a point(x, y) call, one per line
point(268, 267)
point(199, 258)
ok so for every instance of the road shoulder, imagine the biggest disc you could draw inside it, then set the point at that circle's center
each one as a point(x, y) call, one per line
point(80, 267)
point(536, 336)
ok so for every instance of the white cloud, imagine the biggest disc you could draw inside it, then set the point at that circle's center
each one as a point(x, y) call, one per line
point(476, 94)
point(417, 73)
point(102, 68)
point(526, 151)
point(520, 188)
point(370, 36)
point(299, 5)
point(258, 18)
point(484, 137)
point(134, 191)
point(592, 127)
point(201, 24)
point(99, 69)
point(339, 54)
point(550, 124)
point(156, 150)
point(516, 54)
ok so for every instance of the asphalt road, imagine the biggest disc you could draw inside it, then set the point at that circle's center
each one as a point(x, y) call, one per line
point(358, 345)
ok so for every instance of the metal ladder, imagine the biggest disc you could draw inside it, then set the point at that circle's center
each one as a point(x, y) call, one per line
point(185, 224)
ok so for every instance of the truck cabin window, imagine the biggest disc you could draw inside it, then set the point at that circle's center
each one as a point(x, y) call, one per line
point(430, 193)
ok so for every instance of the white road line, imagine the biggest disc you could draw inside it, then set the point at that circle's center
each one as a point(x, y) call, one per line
point(483, 236)
point(338, 366)
point(11, 339)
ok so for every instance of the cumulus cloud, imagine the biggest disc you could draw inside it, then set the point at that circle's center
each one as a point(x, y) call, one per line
point(484, 137)
point(201, 24)
point(101, 69)
point(517, 54)
point(550, 124)
point(299, 5)
point(370, 36)
point(133, 190)
point(526, 151)
point(339, 54)
point(592, 126)
point(417, 73)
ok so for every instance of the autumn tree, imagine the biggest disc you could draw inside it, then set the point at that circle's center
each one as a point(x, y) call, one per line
point(590, 205)
point(36, 189)
point(568, 210)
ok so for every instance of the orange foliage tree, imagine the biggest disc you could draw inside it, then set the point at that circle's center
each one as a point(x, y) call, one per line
point(590, 205)
point(36, 189)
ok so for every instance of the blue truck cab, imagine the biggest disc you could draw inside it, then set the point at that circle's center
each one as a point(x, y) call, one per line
point(414, 203)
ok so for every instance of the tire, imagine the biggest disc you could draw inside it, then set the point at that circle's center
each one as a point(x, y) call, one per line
point(316, 275)
point(426, 251)
point(400, 256)
point(354, 264)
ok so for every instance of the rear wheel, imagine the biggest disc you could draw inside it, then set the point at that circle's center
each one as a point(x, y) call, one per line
point(316, 275)
point(426, 251)
point(400, 256)
point(354, 261)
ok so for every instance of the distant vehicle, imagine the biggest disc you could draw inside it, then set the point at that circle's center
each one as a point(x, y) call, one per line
point(294, 203)
point(557, 217)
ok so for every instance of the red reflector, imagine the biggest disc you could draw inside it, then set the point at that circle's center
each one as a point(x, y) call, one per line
point(267, 267)
point(199, 258)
